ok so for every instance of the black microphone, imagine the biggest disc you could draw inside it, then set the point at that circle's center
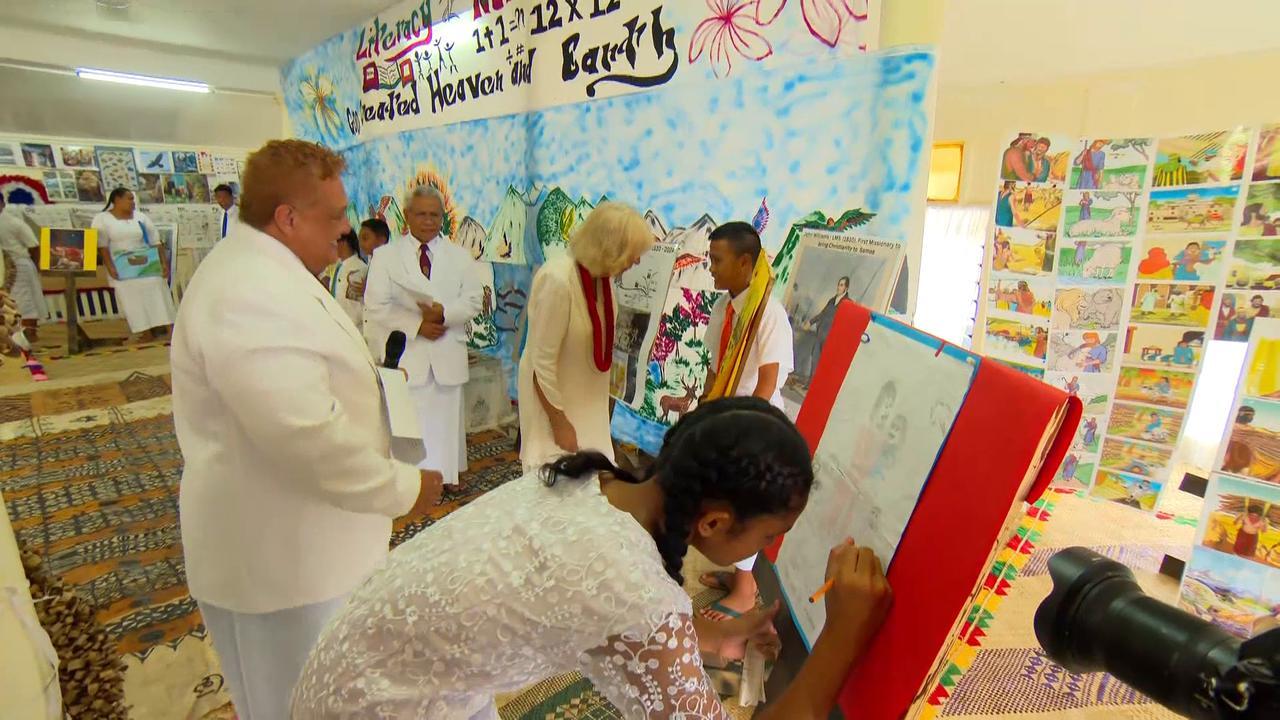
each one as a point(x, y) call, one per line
point(395, 348)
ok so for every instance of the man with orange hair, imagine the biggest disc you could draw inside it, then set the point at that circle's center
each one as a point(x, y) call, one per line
point(289, 488)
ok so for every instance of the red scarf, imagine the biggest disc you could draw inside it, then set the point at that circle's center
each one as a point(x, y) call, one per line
point(601, 352)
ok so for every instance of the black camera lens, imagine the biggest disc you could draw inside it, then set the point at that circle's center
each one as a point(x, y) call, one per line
point(1098, 618)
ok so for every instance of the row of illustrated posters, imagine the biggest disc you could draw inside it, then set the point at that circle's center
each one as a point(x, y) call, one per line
point(87, 174)
point(1113, 262)
point(1233, 575)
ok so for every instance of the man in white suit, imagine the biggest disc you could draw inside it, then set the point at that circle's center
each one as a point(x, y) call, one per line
point(289, 489)
point(428, 288)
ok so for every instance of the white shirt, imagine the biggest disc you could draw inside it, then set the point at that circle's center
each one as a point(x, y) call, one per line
point(228, 220)
point(524, 583)
point(346, 273)
point(396, 285)
point(772, 344)
point(16, 237)
point(288, 489)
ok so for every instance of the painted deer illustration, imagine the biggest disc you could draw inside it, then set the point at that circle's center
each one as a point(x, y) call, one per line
point(677, 403)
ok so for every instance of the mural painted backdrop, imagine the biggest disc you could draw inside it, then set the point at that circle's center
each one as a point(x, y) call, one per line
point(787, 141)
point(425, 63)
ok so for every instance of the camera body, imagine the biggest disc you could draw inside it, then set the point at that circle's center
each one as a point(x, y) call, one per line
point(1098, 618)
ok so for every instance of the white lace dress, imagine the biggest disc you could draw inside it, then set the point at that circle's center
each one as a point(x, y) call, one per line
point(525, 583)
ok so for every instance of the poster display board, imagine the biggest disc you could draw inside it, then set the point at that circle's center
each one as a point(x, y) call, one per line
point(1233, 575)
point(1113, 261)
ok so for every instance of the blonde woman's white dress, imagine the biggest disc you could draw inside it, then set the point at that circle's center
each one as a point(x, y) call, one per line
point(145, 302)
point(525, 583)
point(558, 351)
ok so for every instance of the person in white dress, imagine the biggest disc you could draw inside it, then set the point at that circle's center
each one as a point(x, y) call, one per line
point(288, 488)
point(428, 288)
point(146, 302)
point(346, 281)
point(578, 566)
point(564, 369)
point(735, 248)
point(19, 244)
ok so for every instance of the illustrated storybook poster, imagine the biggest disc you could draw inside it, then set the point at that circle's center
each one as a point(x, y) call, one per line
point(68, 250)
point(1161, 245)
point(1233, 576)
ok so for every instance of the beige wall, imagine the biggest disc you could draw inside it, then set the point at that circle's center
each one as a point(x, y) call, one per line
point(1205, 95)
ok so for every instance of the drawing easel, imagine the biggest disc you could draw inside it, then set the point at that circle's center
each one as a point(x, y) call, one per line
point(965, 506)
point(76, 335)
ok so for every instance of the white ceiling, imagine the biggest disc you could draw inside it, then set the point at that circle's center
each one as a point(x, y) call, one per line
point(253, 31)
point(240, 43)
point(1022, 41)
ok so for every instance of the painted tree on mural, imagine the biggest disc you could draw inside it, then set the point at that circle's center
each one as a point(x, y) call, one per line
point(556, 219)
point(680, 352)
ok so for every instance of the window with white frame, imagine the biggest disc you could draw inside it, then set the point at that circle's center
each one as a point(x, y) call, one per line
point(951, 271)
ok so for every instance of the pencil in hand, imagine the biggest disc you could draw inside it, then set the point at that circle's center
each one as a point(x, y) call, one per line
point(826, 586)
point(822, 591)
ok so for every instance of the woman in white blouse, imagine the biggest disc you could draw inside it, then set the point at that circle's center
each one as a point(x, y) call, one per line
point(145, 301)
point(578, 567)
point(564, 369)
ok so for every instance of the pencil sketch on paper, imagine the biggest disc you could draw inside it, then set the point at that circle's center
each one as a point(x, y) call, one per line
point(888, 423)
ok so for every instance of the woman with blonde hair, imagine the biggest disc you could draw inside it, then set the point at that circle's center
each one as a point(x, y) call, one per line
point(564, 369)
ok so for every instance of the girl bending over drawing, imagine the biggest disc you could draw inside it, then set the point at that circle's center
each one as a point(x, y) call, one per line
point(578, 566)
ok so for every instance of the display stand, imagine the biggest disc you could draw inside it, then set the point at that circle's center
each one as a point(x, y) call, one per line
point(76, 340)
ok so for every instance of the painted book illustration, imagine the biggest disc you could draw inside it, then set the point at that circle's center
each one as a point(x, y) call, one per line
point(143, 262)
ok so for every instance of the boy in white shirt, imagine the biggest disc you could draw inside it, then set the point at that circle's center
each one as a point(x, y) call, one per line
point(346, 282)
point(735, 248)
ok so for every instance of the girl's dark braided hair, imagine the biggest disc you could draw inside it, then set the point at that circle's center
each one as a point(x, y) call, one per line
point(740, 451)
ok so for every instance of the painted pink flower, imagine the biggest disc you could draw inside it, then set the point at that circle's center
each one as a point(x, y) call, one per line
point(730, 30)
point(826, 19)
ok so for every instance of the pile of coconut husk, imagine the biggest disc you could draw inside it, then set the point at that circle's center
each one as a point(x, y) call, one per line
point(90, 671)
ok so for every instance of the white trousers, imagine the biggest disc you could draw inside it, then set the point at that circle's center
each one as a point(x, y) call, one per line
point(263, 654)
point(444, 434)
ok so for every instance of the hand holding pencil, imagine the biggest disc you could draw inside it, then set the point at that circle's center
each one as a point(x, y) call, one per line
point(856, 592)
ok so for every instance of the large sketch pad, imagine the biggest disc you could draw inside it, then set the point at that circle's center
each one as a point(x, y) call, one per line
point(891, 417)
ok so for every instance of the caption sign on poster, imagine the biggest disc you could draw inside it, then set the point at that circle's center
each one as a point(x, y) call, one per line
point(428, 63)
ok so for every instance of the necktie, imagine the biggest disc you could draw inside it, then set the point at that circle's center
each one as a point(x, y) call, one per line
point(726, 331)
point(225, 217)
point(424, 260)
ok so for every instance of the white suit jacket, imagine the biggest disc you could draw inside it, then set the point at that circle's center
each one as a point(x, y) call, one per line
point(288, 489)
point(394, 288)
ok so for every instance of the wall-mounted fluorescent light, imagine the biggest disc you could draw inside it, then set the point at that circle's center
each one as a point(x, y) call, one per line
point(144, 80)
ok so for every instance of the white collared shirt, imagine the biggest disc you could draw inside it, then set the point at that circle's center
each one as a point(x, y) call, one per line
point(228, 221)
point(431, 245)
point(772, 344)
